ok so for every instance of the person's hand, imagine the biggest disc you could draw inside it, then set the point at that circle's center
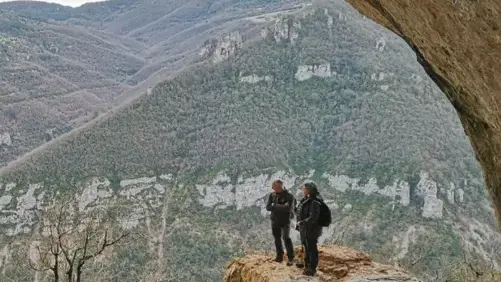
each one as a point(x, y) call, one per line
point(287, 204)
point(297, 225)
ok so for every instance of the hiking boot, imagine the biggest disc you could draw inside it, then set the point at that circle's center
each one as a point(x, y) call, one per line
point(279, 258)
point(299, 264)
point(290, 262)
point(309, 272)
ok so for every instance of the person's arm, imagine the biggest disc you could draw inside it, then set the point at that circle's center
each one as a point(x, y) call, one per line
point(314, 213)
point(287, 207)
point(296, 209)
point(283, 207)
point(292, 205)
point(269, 204)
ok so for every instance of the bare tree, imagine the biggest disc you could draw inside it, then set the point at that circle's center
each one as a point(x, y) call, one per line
point(67, 239)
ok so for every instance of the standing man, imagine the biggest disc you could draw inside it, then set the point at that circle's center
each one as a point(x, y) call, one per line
point(308, 215)
point(281, 205)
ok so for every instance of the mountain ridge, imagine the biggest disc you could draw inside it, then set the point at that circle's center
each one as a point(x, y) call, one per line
point(61, 47)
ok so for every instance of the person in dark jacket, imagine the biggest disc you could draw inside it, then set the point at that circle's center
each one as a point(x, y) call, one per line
point(281, 205)
point(308, 213)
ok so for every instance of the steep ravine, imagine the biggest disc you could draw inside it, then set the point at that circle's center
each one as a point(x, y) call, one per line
point(458, 43)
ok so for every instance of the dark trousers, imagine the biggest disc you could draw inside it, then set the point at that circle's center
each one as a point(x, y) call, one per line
point(283, 233)
point(310, 252)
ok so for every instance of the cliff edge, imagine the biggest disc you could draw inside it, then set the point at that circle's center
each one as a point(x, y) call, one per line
point(337, 263)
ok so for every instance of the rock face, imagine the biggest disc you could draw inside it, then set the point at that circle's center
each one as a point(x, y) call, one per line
point(305, 72)
point(222, 48)
point(5, 139)
point(458, 43)
point(253, 78)
point(337, 263)
point(284, 30)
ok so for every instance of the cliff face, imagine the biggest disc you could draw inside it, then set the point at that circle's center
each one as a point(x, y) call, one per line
point(336, 264)
point(458, 43)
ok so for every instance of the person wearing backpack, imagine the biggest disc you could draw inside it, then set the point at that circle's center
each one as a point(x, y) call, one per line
point(312, 215)
point(281, 204)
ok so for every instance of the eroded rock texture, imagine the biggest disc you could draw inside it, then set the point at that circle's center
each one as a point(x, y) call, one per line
point(336, 264)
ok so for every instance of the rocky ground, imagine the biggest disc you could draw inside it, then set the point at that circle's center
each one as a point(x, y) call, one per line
point(337, 263)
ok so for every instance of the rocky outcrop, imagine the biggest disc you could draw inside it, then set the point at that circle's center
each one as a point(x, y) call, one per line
point(284, 30)
point(223, 48)
point(254, 78)
point(428, 190)
point(337, 263)
point(305, 72)
point(5, 139)
point(458, 43)
point(220, 192)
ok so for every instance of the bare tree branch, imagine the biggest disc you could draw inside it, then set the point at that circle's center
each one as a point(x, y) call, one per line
point(105, 244)
point(72, 234)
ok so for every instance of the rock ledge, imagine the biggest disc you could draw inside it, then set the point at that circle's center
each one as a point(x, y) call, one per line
point(337, 263)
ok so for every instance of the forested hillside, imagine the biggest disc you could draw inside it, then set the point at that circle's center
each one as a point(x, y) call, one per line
point(62, 67)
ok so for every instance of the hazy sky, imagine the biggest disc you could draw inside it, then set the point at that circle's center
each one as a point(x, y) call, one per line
point(73, 3)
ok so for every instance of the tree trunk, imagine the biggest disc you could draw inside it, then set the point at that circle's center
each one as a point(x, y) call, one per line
point(56, 270)
point(79, 272)
point(69, 274)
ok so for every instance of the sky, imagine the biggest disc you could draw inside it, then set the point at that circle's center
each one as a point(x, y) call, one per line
point(73, 3)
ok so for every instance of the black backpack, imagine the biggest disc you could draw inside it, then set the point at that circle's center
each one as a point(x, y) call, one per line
point(325, 217)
